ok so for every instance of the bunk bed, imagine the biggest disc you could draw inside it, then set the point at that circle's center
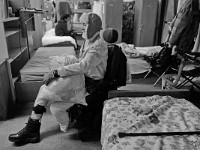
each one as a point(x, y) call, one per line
point(31, 75)
point(150, 120)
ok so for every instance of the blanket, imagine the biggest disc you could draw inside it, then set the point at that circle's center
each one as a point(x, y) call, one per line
point(152, 114)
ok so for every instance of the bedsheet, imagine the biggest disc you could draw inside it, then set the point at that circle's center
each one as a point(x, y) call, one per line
point(38, 65)
point(149, 114)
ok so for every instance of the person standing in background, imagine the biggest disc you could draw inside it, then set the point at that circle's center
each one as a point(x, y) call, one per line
point(54, 14)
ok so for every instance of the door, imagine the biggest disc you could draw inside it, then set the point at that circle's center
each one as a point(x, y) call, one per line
point(112, 16)
point(145, 22)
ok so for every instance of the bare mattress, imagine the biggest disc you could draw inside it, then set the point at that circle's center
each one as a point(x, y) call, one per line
point(38, 65)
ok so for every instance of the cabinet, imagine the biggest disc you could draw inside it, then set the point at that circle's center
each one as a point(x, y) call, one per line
point(145, 22)
point(6, 99)
point(39, 23)
point(13, 47)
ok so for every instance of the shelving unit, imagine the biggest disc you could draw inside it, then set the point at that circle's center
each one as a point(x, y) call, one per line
point(78, 9)
point(6, 99)
point(13, 48)
point(77, 25)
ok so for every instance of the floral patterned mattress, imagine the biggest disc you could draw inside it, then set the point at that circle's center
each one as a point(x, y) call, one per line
point(152, 114)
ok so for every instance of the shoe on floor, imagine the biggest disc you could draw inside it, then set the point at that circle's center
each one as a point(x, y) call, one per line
point(30, 133)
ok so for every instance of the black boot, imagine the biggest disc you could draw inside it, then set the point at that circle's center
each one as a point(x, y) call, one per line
point(85, 132)
point(30, 133)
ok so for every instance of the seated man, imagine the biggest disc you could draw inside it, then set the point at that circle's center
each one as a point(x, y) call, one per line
point(63, 27)
point(92, 63)
point(62, 91)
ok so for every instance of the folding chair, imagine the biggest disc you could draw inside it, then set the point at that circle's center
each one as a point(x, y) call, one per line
point(192, 60)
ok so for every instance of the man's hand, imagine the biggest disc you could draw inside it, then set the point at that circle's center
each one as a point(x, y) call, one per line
point(48, 77)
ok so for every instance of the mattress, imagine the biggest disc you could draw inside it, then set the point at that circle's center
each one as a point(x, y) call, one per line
point(38, 65)
point(151, 114)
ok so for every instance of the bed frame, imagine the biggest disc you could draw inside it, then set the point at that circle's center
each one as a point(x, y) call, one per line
point(177, 93)
point(27, 91)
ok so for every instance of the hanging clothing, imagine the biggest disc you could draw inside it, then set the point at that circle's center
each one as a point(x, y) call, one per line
point(196, 48)
point(184, 27)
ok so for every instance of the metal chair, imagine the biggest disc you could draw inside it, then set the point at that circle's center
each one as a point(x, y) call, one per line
point(192, 60)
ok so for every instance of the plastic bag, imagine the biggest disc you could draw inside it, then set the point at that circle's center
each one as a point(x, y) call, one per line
point(69, 89)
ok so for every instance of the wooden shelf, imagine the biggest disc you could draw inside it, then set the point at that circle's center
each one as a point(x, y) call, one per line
point(77, 27)
point(15, 52)
point(11, 31)
point(80, 11)
point(9, 19)
point(34, 11)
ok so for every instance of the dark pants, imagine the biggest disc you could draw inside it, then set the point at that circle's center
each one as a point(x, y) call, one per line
point(90, 115)
point(96, 96)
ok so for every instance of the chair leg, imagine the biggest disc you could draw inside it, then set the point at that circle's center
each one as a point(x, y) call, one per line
point(147, 73)
point(161, 75)
point(157, 80)
point(188, 79)
point(178, 86)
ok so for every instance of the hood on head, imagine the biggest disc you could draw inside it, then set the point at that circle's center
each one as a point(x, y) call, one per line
point(93, 23)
